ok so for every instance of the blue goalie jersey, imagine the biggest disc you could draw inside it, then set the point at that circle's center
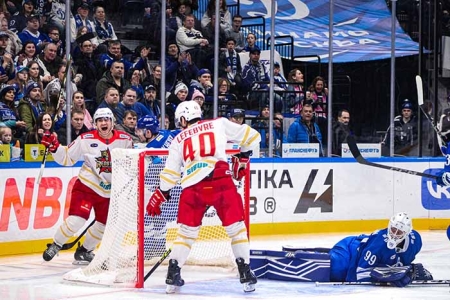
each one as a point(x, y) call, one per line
point(353, 258)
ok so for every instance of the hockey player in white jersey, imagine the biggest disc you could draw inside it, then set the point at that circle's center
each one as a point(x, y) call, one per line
point(198, 152)
point(93, 186)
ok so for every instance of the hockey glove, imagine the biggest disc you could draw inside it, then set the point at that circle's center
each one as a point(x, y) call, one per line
point(420, 273)
point(50, 141)
point(156, 200)
point(239, 164)
point(395, 276)
point(443, 178)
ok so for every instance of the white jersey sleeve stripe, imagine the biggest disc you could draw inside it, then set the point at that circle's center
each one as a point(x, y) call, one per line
point(244, 139)
point(168, 180)
point(171, 172)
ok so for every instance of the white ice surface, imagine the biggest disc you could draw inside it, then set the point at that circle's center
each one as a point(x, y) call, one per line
point(29, 277)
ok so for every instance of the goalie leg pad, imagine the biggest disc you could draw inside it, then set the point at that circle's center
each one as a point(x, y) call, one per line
point(301, 266)
point(70, 226)
point(182, 245)
point(94, 236)
point(239, 241)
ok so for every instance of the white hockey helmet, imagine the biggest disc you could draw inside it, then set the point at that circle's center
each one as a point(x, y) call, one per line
point(400, 225)
point(103, 112)
point(190, 110)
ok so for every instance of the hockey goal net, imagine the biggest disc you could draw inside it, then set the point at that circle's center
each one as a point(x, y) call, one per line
point(134, 240)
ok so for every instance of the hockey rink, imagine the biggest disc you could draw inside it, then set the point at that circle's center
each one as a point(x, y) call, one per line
point(29, 277)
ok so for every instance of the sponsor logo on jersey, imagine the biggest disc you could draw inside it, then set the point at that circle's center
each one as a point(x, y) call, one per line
point(88, 136)
point(124, 136)
point(94, 145)
point(103, 162)
point(434, 196)
point(196, 167)
point(105, 186)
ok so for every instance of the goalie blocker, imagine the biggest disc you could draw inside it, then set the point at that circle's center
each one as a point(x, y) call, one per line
point(313, 265)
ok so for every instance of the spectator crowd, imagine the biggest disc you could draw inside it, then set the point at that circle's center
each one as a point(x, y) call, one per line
point(106, 73)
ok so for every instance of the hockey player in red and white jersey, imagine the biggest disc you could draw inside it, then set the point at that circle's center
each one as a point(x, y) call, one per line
point(198, 152)
point(93, 186)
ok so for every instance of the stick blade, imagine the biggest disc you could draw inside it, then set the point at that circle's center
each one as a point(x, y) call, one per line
point(419, 86)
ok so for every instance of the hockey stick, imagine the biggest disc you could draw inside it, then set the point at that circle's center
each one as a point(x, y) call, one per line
point(68, 246)
point(414, 282)
point(63, 84)
point(293, 249)
point(158, 263)
point(360, 159)
point(420, 103)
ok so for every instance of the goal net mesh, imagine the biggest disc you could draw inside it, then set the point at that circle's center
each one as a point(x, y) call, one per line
point(117, 260)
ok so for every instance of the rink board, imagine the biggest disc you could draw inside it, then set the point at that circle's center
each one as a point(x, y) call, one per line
point(288, 196)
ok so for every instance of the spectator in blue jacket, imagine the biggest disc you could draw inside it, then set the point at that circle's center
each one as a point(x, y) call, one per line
point(305, 130)
point(129, 102)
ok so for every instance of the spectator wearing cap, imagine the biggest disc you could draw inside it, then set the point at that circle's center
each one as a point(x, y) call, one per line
point(179, 65)
point(53, 88)
point(31, 106)
point(255, 78)
point(32, 33)
point(129, 102)
point(150, 101)
point(19, 19)
point(7, 71)
point(236, 115)
point(405, 132)
point(9, 115)
point(230, 65)
point(154, 79)
point(180, 94)
point(203, 84)
point(198, 97)
point(20, 80)
point(81, 19)
point(14, 44)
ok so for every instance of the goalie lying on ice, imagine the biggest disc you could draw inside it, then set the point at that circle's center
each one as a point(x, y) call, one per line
point(383, 256)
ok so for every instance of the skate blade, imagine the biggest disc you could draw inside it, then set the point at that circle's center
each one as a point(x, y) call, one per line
point(80, 262)
point(249, 287)
point(172, 289)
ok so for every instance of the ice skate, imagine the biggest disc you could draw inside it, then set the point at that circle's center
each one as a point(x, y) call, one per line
point(51, 251)
point(246, 276)
point(173, 279)
point(83, 256)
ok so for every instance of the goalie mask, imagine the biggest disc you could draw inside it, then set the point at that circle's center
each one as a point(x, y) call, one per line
point(150, 123)
point(400, 226)
point(189, 110)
